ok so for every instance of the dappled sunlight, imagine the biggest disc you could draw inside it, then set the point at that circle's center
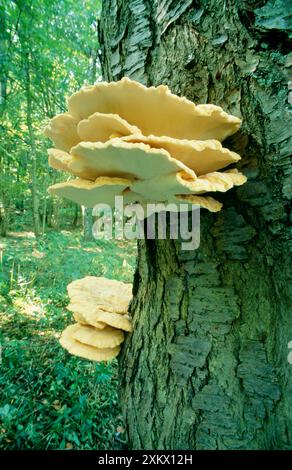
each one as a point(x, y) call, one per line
point(48, 400)
point(58, 391)
point(38, 254)
point(88, 250)
point(92, 250)
point(29, 308)
point(21, 235)
point(47, 334)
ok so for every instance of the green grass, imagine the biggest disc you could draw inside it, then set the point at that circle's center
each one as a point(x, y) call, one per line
point(49, 399)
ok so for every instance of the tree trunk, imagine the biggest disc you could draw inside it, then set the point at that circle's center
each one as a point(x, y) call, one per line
point(87, 224)
point(75, 220)
point(206, 366)
point(3, 97)
point(3, 61)
point(87, 218)
point(3, 220)
point(44, 215)
point(55, 214)
point(33, 155)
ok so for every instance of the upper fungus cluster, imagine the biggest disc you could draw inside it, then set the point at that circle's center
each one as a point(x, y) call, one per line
point(145, 144)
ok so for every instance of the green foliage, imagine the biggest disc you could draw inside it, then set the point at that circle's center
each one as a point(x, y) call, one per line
point(55, 42)
point(49, 399)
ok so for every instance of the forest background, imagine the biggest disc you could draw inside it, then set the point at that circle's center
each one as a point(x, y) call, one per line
point(48, 399)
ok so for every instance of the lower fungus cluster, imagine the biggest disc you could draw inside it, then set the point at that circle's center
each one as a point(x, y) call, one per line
point(100, 309)
point(144, 144)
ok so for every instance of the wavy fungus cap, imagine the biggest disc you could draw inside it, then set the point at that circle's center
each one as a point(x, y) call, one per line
point(107, 338)
point(86, 351)
point(145, 144)
point(107, 294)
point(99, 306)
point(154, 110)
point(116, 320)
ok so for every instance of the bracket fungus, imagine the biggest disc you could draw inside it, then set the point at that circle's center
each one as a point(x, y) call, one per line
point(143, 143)
point(77, 348)
point(106, 294)
point(149, 146)
point(99, 307)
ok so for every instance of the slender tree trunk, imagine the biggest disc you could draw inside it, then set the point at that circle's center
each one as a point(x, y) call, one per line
point(87, 218)
point(44, 215)
point(3, 220)
point(49, 213)
point(87, 224)
point(3, 194)
point(33, 155)
point(55, 217)
point(76, 216)
point(3, 96)
point(87, 221)
point(206, 366)
point(3, 60)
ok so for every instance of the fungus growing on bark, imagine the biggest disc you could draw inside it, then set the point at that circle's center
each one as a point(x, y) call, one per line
point(107, 338)
point(151, 110)
point(205, 202)
point(169, 186)
point(202, 156)
point(116, 320)
point(145, 144)
point(100, 127)
point(58, 159)
point(93, 316)
point(106, 294)
point(80, 318)
point(149, 146)
point(77, 348)
point(81, 309)
point(62, 129)
point(100, 307)
point(89, 193)
point(117, 158)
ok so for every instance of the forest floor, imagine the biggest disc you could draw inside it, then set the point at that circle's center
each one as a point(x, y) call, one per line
point(49, 399)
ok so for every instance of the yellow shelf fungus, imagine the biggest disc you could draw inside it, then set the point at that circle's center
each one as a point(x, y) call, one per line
point(99, 307)
point(145, 144)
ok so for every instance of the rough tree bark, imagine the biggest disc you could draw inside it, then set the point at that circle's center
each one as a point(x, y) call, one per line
point(206, 366)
